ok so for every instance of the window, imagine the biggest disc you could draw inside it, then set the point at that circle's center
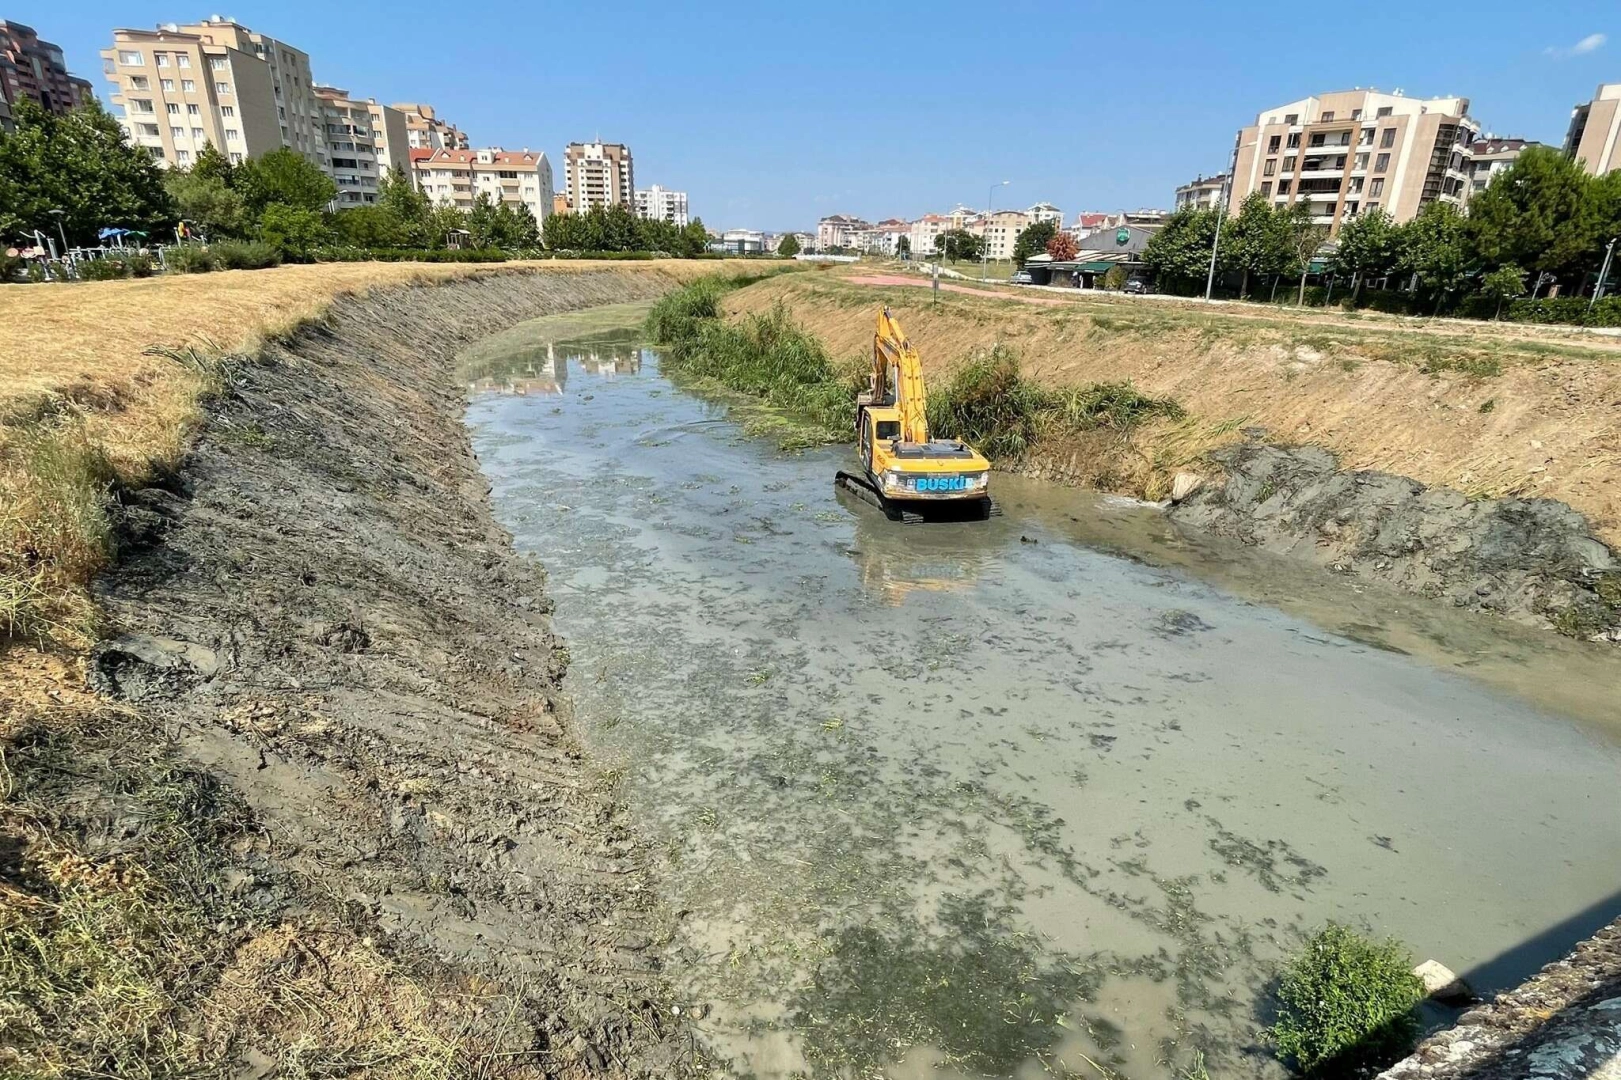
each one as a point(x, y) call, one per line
point(1356, 185)
point(1316, 140)
point(140, 105)
point(227, 110)
point(130, 59)
point(1289, 164)
point(177, 133)
point(1270, 167)
point(147, 129)
point(1367, 137)
point(1294, 139)
point(222, 88)
point(236, 158)
point(1273, 143)
point(1356, 114)
point(1283, 186)
point(187, 86)
point(167, 85)
point(1292, 119)
point(1328, 115)
point(217, 63)
point(182, 156)
point(281, 113)
point(174, 108)
point(1372, 207)
point(182, 60)
point(139, 82)
point(1381, 163)
point(192, 110)
point(232, 135)
point(1266, 189)
point(161, 59)
point(1384, 111)
point(197, 133)
point(1377, 188)
point(1387, 139)
point(1361, 161)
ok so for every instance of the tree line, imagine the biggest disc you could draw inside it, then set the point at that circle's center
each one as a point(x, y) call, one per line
point(70, 176)
point(1544, 221)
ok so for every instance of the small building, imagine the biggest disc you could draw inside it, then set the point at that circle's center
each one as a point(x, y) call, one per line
point(742, 242)
point(1203, 192)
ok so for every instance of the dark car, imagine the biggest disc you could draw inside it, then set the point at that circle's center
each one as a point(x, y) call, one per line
point(1138, 286)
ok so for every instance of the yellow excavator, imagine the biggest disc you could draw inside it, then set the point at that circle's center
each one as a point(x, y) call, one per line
point(906, 474)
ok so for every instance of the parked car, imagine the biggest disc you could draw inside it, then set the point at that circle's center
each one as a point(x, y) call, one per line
point(1138, 286)
point(1021, 277)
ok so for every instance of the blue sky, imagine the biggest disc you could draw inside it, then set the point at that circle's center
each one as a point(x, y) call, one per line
point(772, 115)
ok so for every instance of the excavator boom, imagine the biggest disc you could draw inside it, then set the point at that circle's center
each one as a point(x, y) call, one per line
point(899, 372)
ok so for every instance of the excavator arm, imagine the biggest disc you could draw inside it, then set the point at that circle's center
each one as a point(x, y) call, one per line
point(897, 375)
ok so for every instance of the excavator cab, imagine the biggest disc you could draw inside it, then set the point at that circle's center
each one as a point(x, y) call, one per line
point(905, 473)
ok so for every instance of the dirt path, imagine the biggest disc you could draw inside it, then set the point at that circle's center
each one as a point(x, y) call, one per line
point(337, 628)
point(897, 279)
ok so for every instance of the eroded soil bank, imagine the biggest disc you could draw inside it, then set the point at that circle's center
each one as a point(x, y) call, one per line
point(322, 612)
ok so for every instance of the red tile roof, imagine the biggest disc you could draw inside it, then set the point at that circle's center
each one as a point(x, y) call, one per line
point(470, 157)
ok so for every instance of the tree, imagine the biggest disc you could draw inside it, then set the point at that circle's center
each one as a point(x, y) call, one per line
point(207, 202)
point(80, 164)
point(284, 176)
point(1303, 238)
point(1435, 248)
point(1505, 283)
point(903, 246)
point(694, 239)
point(1033, 240)
point(1258, 242)
point(292, 230)
point(955, 244)
point(213, 165)
point(1369, 246)
point(1540, 213)
point(1178, 254)
point(373, 226)
point(788, 246)
point(1062, 247)
point(411, 208)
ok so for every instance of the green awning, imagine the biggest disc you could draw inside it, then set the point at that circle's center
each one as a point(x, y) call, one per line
point(1096, 267)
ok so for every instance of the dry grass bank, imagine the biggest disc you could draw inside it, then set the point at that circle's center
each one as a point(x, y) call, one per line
point(1487, 409)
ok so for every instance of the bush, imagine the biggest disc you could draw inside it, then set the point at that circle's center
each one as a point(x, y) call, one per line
point(106, 268)
point(1570, 310)
point(292, 230)
point(140, 265)
point(188, 259)
point(1346, 1003)
point(244, 255)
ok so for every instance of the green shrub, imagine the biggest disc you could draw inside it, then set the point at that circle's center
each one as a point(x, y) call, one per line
point(36, 272)
point(1346, 1003)
point(189, 259)
point(244, 255)
point(140, 265)
point(433, 255)
point(106, 268)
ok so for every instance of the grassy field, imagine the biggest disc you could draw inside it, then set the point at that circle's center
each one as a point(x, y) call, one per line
point(1488, 409)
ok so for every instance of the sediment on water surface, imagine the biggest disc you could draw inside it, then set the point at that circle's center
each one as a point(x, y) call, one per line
point(335, 787)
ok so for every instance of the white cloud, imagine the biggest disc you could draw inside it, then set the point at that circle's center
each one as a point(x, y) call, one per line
point(1590, 43)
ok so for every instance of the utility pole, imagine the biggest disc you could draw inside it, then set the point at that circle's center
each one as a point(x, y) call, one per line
point(985, 241)
point(1221, 214)
point(1604, 271)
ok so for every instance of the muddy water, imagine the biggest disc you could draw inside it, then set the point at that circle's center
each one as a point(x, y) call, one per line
point(1041, 795)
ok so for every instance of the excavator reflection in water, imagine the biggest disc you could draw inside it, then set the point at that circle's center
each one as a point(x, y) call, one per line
point(905, 473)
point(894, 565)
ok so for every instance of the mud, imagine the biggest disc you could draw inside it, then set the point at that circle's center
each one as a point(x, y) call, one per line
point(1532, 560)
point(322, 610)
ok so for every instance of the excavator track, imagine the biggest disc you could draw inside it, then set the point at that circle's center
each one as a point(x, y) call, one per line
point(864, 489)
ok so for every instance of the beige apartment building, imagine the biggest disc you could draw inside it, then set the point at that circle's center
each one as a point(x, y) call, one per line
point(1201, 193)
point(1594, 138)
point(599, 174)
point(183, 86)
point(457, 177)
point(363, 141)
point(1000, 229)
point(424, 130)
point(1351, 151)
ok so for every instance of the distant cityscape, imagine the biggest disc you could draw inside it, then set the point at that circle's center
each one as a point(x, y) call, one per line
point(182, 86)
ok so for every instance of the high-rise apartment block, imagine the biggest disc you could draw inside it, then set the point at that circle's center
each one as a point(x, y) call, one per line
point(424, 130)
point(598, 174)
point(1594, 137)
point(1201, 193)
point(1351, 151)
point(31, 68)
point(364, 140)
point(184, 86)
point(457, 178)
point(657, 204)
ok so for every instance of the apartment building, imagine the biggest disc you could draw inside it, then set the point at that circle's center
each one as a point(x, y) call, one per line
point(183, 86)
point(31, 68)
point(658, 204)
point(424, 130)
point(1201, 193)
point(598, 174)
point(1488, 158)
point(457, 177)
point(923, 232)
point(1355, 150)
point(1045, 212)
point(1000, 229)
point(838, 231)
point(1594, 138)
point(881, 238)
point(364, 140)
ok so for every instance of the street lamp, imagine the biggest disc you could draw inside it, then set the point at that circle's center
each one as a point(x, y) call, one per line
point(985, 248)
point(58, 214)
point(1604, 271)
point(1221, 213)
